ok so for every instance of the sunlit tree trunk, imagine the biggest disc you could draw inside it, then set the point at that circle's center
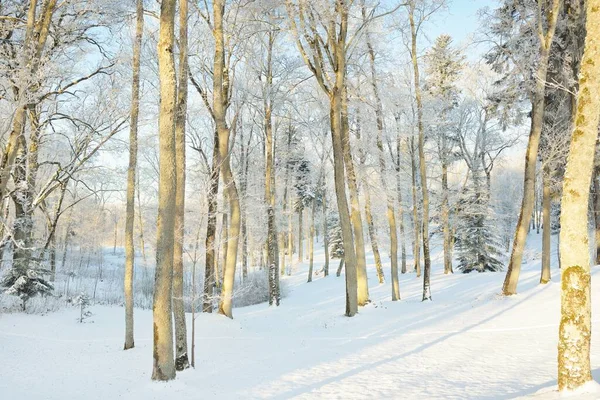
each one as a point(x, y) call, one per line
point(355, 217)
point(537, 118)
point(131, 177)
point(164, 365)
point(596, 200)
point(422, 166)
point(220, 103)
point(211, 230)
point(547, 229)
point(325, 233)
point(181, 347)
point(416, 220)
point(272, 248)
point(576, 313)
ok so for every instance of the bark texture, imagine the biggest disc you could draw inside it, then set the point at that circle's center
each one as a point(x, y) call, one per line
point(164, 365)
point(575, 325)
point(131, 177)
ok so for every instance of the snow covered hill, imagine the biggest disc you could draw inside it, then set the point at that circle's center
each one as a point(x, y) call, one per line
point(468, 343)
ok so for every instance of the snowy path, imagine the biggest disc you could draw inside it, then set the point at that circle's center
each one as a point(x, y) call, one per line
point(467, 343)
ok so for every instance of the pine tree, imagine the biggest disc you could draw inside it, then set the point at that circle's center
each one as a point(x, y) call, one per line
point(477, 244)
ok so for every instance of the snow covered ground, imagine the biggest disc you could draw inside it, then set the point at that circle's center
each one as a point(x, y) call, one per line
point(468, 343)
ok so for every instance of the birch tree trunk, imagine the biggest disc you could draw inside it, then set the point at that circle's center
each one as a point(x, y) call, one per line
point(164, 365)
point(325, 233)
point(272, 249)
point(416, 220)
point(547, 229)
point(399, 194)
point(575, 325)
point(181, 347)
point(131, 177)
point(355, 217)
point(311, 240)
point(537, 118)
point(391, 214)
point(422, 166)
point(220, 102)
point(211, 229)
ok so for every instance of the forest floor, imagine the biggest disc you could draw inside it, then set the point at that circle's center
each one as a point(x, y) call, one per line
point(469, 342)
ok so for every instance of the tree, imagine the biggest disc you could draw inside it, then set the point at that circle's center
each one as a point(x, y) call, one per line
point(181, 352)
point(575, 324)
point(310, 43)
point(164, 364)
point(444, 64)
point(131, 176)
point(536, 25)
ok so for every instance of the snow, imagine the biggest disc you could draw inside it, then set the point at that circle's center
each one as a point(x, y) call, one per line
point(469, 342)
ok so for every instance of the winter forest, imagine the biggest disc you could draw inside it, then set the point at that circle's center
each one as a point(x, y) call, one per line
point(252, 199)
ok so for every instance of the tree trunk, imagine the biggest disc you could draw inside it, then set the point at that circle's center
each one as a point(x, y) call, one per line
point(416, 221)
point(391, 214)
point(311, 240)
point(325, 233)
point(446, 221)
point(300, 226)
point(220, 102)
point(340, 266)
point(272, 249)
point(140, 219)
point(164, 365)
point(537, 118)
point(181, 347)
point(546, 234)
point(373, 235)
point(356, 218)
point(575, 325)
point(422, 166)
point(399, 193)
point(211, 229)
point(131, 175)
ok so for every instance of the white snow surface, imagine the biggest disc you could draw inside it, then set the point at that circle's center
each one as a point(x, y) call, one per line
point(468, 343)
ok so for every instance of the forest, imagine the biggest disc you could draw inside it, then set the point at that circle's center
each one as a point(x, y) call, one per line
point(299, 199)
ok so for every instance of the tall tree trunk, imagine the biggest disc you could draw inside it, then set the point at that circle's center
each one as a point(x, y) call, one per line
point(416, 221)
point(181, 347)
point(131, 175)
point(300, 226)
point(220, 102)
point(391, 214)
point(211, 230)
point(446, 220)
point(546, 234)
point(355, 217)
point(362, 159)
point(272, 249)
point(399, 193)
point(164, 365)
point(325, 233)
point(576, 313)
point(311, 241)
point(140, 219)
point(422, 166)
point(537, 118)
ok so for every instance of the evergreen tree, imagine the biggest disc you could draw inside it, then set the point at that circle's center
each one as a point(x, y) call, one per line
point(477, 243)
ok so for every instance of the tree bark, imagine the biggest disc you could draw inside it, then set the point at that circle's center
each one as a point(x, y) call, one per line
point(211, 229)
point(596, 200)
point(547, 229)
point(355, 217)
point(164, 365)
point(131, 177)
point(416, 221)
point(422, 166)
point(181, 347)
point(575, 325)
point(220, 103)
point(537, 118)
point(325, 233)
point(272, 249)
